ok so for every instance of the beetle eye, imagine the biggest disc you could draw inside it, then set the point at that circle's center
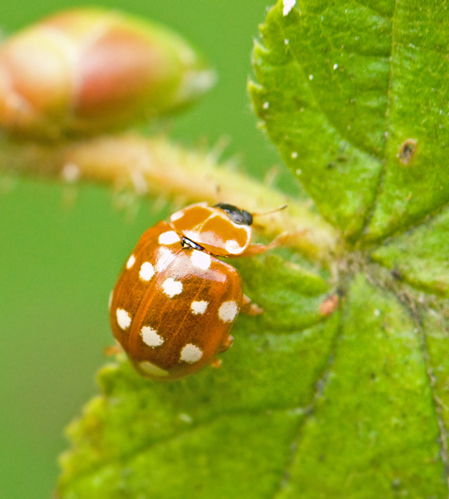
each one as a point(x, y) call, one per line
point(239, 217)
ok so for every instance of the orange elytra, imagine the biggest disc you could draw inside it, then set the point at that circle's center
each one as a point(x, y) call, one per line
point(175, 302)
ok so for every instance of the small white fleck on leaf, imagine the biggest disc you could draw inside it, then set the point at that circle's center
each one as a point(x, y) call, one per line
point(185, 418)
point(288, 6)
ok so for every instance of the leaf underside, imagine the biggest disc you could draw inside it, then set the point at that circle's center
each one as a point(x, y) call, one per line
point(350, 403)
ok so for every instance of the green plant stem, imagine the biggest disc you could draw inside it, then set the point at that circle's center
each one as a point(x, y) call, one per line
point(155, 166)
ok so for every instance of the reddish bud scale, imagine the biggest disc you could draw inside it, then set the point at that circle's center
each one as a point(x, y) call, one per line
point(175, 303)
point(92, 70)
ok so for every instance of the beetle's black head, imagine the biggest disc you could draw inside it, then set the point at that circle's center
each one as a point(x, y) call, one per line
point(239, 217)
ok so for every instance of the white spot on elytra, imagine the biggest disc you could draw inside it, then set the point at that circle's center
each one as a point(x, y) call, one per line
point(164, 257)
point(151, 337)
point(232, 246)
point(169, 237)
point(111, 295)
point(200, 259)
point(335, 66)
point(177, 215)
point(152, 370)
point(310, 77)
point(266, 105)
point(131, 261)
point(288, 6)
point(191, 353)
point(193, 235)
point(171, 287)
point(199, 307)
point(123, 318)
point(228, 311)
point(146, 271)
point(294, 155)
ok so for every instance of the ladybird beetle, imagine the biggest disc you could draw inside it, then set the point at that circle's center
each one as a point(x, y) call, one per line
point(175, 302)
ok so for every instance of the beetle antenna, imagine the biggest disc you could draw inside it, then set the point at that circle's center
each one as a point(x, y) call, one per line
point(270, 212)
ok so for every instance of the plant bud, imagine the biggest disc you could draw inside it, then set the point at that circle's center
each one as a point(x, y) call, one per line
point(89, 71)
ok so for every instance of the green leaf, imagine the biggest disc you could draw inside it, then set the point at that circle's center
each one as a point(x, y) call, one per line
point(420, 256)
point(340, 389)
point(436, 341)
point(322, 97)
point(341, 87)
point(220, 419)
point(387, 434)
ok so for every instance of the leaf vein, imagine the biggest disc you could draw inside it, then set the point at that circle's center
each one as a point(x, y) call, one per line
point(414, 311)
point(370, 211)
point(320, 384)
point(437, 404)
point(426, 218)
point(378, 12)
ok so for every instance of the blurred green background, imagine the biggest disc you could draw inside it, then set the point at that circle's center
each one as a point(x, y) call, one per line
point(61, 248)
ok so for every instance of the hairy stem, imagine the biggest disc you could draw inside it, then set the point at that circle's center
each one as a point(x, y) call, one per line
point(154, 166)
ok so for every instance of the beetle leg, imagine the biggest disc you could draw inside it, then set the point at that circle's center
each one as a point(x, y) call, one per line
point(247, 307)
point(255, 249)
point(216, 363)
point(112, 350)
point(226, 344)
